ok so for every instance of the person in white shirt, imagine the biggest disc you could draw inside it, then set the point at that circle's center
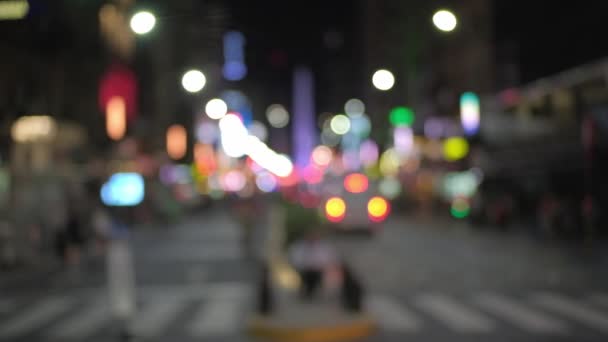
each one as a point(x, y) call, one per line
point(312, 257)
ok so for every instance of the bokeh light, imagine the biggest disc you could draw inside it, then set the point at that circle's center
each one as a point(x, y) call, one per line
point(401, 116)
point(389, 187)
point(143, 22)
point(389, 162)
point(354, 107)
point(433, 128)
point(258, 130)
point(460, 208)
point(14, 9)
point(193, 81)
point(469, 113)
point(322, 155)
point(177, 141)
point(404, 140)
point(234, 70)
point(368, 152)
point(207, 132)
point(361, 126)
point(216, 109)
point(378, 209)
point(356, 183)
point(116, 118)
point(266, 182)
point(329, 138)
point(234, 181)
point(123, 190)
point(445, 20)
point(383, 79)
point(340, 124)
point(277, 116)
point(335, 209)
point(455, 148)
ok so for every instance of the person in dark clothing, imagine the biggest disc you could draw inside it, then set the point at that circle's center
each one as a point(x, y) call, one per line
point(352, 290)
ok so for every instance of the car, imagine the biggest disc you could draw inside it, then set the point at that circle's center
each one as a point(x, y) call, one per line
point(351, 203)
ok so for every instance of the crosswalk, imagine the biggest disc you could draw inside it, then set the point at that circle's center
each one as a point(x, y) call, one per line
point(221, 311)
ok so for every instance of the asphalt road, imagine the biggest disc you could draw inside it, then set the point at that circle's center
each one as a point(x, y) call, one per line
point(425, 281)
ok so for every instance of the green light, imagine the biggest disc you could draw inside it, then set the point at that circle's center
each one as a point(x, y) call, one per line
point(460, 214)
point(401, 116)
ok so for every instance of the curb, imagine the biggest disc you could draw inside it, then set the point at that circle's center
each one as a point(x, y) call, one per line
point(262, 327)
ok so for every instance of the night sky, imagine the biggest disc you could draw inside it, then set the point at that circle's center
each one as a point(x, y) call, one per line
point(552, 35)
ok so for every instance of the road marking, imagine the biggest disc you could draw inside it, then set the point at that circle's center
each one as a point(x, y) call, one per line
point(218, 317)
point(207, 252)
point(521, 316)
point(34, 317)
point(572, 309)
point(84, 323)
point(456, 316)
point(392, 316)
point(158, 314)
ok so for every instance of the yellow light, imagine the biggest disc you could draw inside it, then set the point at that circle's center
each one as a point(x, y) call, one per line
point(335, 208)
point(455, 148)
point(14, 10)
point(35, 128)
point(378, 208)
point(116, 118)
point(176, 142)
point(389, 163)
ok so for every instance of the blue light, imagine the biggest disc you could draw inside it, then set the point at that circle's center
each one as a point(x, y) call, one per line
point(123, 190)
point(234, 71)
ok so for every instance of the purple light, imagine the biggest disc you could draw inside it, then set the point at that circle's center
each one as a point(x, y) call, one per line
point(368, 152)
point(351, 161)
point(433, 128)
point(304, 139)
point(207, 132)
point(234, 71)
point(404, 140)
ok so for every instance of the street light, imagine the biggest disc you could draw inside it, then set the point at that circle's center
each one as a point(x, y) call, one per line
point(445, 20)
point(383, 79)
point(193, 81)
point(142, 22)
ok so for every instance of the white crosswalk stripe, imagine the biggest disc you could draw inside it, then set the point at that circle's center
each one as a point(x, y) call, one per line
point(523, 317)
point(83, 323)
point(455, 316)
point(34, 317)
point(392, 316)
point(573, 309)
point(156, 316)
point(218, 317)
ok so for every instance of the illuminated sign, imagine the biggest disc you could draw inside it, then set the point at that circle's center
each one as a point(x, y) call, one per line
point(123, 189)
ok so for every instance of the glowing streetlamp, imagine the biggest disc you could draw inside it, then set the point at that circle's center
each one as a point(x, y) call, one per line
point(383, 79)
point(142, 22)
point(445, 20)
point(193, 81)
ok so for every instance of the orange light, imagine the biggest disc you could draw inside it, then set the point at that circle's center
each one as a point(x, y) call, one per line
point(176, 142)
point(356, 183)
point(335, 208)
point(116, 118)
point(378, 209)
point(204, 158)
